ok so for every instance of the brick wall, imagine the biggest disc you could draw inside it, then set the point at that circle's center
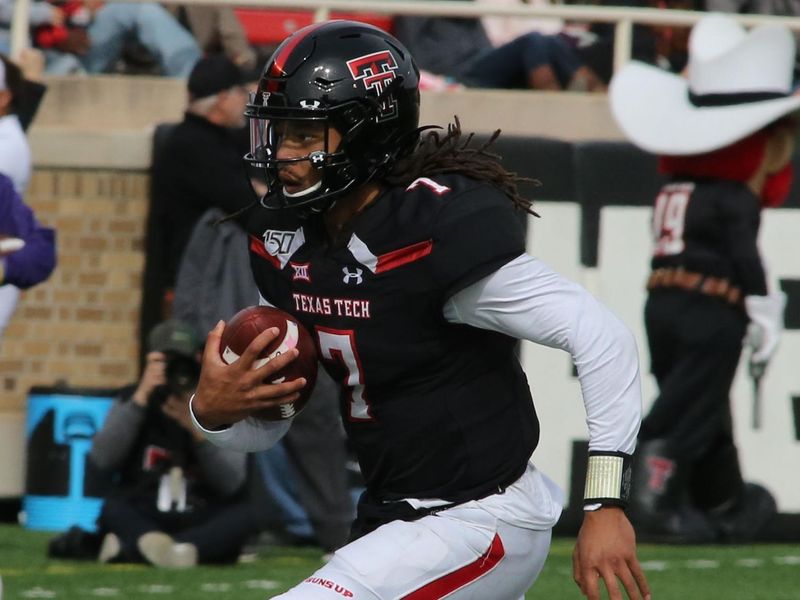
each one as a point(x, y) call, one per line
point(81, 325)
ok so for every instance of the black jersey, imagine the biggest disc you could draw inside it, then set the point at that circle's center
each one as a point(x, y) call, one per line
point(710, 227)
point(433, 409)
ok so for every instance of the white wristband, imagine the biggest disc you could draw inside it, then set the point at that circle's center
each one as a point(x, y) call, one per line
point(608, 479)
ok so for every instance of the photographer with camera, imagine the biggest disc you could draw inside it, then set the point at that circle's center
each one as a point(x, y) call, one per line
point(179, 500)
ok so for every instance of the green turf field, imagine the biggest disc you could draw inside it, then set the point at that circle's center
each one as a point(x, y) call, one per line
point(763, 572)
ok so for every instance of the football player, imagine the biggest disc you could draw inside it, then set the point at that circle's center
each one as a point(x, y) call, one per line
point(402, 251)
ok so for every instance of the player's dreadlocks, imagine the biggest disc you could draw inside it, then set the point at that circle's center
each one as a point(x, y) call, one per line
point(450, 153)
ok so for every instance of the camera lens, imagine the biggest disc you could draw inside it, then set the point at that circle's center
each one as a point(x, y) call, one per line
point(182, 374)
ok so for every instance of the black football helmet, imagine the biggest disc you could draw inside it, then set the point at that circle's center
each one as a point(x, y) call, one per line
point(347, 75)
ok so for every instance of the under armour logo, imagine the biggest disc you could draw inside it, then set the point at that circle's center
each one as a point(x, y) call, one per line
point(309, 103)
point(265, 97)
point(348, 276)
point(317, 158)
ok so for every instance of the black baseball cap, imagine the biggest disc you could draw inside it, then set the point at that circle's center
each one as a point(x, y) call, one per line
point(212, 75)
point(174, 336)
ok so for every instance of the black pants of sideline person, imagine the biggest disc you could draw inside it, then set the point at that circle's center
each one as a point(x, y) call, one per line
point(218, 531)
point(695, 344)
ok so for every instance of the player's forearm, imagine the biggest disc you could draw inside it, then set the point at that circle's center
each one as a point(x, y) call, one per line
point(248, 435)
point(607, 360)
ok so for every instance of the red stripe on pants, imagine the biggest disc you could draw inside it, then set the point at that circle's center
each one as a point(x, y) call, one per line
point(451, 582)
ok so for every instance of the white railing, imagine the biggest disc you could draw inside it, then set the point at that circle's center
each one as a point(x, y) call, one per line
point(624, 18)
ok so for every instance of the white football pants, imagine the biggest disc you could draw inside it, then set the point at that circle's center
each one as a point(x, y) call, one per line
point(462, 553)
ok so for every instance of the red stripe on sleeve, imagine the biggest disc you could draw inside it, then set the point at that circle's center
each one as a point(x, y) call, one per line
point(257, 246)
point(451, 582)
point(403, 256)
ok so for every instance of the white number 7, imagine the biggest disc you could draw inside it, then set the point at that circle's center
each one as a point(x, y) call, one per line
point(339, 345)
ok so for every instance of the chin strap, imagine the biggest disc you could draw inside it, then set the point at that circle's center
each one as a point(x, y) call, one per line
point(303, 193)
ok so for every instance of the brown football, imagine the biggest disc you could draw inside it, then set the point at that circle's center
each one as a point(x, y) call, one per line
point(245, 325)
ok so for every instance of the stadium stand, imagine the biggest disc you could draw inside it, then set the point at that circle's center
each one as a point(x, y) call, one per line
point(265, 27)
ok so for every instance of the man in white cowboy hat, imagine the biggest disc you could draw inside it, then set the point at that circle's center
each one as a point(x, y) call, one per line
point(725, 142)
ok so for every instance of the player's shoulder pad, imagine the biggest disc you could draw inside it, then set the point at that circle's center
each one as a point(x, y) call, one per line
point(457, 195)
point(475, 199)
point(475, 230)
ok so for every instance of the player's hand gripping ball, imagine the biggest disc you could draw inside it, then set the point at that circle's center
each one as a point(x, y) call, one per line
point(245, 325)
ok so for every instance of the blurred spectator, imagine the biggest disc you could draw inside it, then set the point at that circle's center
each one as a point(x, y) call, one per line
point(501, 30)
point(198, 166)
point(15, 154)
point(179, 500)
point(459, 48)
point(786, 8)
point(218, 31)
point(664, 46)
point(36, 261)
point(304, 474)
point(40, 12)
point(661, 45)
point(31, 61)
point(27, 249)
point(213, 281)
point(672, 42)
point(91, 37)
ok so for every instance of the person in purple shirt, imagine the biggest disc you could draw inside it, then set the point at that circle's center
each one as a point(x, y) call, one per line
point(27, 249)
